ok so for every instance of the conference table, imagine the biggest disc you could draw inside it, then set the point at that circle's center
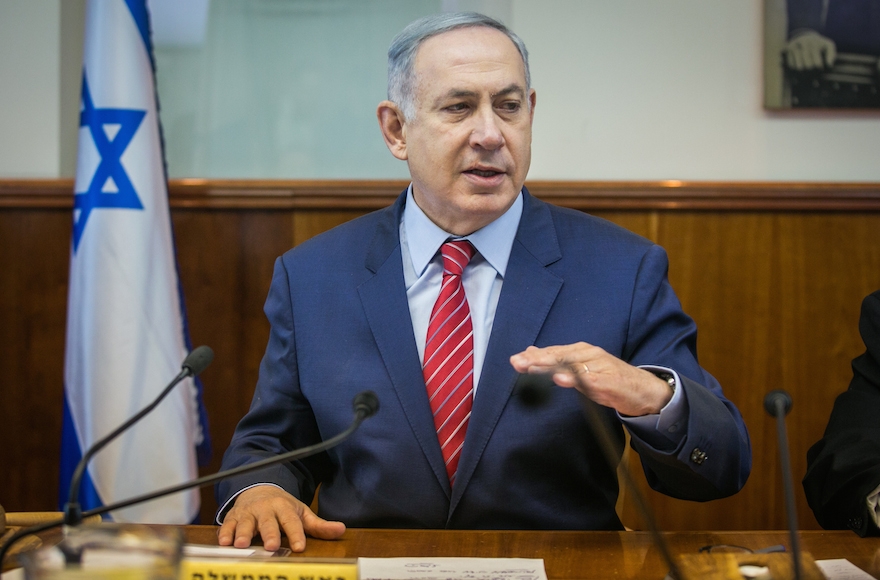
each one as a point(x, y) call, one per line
point(573, 555)
point(566, 554)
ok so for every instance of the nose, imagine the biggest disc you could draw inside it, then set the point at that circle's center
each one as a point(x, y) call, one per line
point(486, 132)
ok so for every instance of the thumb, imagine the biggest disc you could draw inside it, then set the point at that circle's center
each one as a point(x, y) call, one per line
point(318, 527)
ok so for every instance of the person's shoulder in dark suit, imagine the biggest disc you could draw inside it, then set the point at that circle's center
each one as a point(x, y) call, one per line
point(844, 466)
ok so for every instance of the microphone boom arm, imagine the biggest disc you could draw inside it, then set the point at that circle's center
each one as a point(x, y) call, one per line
point(366, 405)
point(208, 479)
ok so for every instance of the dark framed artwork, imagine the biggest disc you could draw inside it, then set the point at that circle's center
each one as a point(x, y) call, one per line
point(821, 54)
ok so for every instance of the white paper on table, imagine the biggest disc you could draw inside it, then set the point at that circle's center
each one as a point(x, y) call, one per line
point(842, 569)
point(448, 568)
point(15, 574)
point(207, 551)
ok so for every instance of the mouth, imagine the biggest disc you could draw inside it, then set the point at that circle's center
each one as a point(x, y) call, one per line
point(484, 172)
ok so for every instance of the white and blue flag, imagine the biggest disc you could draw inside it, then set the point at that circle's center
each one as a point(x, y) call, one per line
point(126, 326)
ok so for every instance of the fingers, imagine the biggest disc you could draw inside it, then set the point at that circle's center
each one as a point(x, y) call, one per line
point(568, 359)
point(600, 376)
point(568, 365)
point(830, 53)
point(267, 511)
point(226, 533)
point(813, 56)
point(321, 528)
point(237, 530)
point(810, 51)
point(293, 527)
point(304, 522)
point(270, 532)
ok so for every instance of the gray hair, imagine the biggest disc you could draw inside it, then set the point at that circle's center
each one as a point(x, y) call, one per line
point(402, 52)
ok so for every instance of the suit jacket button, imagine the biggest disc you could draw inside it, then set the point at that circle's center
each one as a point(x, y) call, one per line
point(698, 456)
point(855, 523)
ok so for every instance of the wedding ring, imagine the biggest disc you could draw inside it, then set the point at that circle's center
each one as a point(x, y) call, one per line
point(576, 370)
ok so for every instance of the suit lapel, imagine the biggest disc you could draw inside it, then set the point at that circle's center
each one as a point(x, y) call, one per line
point(527, 295)
point(383, 297)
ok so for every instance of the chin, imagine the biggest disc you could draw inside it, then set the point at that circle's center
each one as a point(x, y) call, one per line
point(491, 205)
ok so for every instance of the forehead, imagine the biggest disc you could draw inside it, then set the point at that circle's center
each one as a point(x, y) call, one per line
point(469, 55)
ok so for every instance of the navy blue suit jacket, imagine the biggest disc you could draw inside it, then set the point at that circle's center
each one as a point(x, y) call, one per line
point(340, 324)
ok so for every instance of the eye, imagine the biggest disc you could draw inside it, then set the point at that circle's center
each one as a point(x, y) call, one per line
point(510, 106)
point(456, 108)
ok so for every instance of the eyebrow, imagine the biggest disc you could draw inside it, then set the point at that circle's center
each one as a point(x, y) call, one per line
point(461, 93)
point(510, 89)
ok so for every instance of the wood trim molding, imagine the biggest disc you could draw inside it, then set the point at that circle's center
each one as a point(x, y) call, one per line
point(373, 194)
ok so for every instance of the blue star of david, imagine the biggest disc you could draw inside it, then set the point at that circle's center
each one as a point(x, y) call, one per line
point(110, 186)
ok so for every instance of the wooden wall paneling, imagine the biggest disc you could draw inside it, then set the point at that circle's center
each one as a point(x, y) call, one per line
point(307, 223)
point(643, 223)
point(226, 260)
point(828, 264)
point(702, 246)
point(210, 263)
point(773, 274)
point(776, 306)
point(34, 260)
point(721, 268)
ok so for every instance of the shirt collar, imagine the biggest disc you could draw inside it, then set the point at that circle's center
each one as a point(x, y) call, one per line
point(492, 241)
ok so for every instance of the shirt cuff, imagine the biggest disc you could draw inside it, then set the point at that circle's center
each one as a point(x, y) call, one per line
point(221, 513)
point(667, 426)
point(874, 505)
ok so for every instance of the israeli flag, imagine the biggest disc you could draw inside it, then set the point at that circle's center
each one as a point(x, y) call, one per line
point(126, 329)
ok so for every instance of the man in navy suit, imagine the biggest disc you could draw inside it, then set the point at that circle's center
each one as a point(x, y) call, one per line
point(547, 290)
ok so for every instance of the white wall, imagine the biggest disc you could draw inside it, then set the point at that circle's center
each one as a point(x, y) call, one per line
point(30, 88)
point(627, 89)
point(641, 89)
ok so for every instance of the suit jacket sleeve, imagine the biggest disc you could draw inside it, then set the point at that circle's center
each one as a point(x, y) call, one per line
point(279, 418)
point(713, 458)
point(844, 466)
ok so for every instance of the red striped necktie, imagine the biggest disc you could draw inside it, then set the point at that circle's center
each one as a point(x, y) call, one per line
point(449, 356)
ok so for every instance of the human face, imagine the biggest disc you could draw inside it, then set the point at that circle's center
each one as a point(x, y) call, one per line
point(468, 146)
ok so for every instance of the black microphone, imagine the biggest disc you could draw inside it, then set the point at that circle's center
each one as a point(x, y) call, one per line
point(366, 404)
point(198, 360)
point(534, 390)
point(195, 362)
point(778, 403)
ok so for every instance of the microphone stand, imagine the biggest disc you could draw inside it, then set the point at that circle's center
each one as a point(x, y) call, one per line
point(611, 456)
point(799, 565)
point(535, 390)
point(366, 405)
point(778, 403)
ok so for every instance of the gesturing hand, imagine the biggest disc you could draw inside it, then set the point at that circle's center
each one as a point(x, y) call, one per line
point(600, 376)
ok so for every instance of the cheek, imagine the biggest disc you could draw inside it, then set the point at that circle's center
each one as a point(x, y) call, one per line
point(438, 155)
point(521, 149)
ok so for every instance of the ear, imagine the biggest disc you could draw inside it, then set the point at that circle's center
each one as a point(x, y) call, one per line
point(393, 126)
point(532, 102)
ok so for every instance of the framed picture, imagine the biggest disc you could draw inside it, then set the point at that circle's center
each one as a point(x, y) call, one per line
point(821, 54)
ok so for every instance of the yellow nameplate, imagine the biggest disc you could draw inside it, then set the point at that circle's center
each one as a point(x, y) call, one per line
point(268, 569)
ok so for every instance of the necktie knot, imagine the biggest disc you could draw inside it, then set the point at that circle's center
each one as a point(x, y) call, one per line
point(456, 255)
